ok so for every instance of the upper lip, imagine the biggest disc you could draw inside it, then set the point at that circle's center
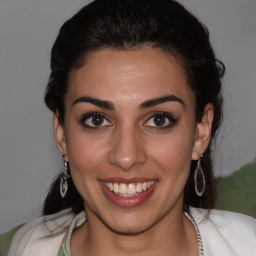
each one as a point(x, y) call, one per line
point(126, 180)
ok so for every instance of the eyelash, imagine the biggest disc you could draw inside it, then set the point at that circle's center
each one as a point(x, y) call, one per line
point(172, 121)
point(86, 117)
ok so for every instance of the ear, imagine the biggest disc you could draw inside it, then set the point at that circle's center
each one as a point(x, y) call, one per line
point(203, 132)
point(60, 136)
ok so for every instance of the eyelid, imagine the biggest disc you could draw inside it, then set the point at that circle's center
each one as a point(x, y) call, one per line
point(90, 115)
point(167, 115)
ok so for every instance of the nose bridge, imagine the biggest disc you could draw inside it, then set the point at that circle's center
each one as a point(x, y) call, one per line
point(127, 149)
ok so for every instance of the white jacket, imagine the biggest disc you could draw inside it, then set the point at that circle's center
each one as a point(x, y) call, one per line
point(223, 234)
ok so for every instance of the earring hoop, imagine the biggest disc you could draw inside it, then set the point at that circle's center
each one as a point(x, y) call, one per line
point(63, 180)
point(199, 178)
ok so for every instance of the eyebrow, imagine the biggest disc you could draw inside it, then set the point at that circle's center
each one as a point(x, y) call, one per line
point(154, 102)
point(110, 106)
point(99, 103)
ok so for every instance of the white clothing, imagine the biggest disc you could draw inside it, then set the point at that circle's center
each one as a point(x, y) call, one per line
point(223, 234)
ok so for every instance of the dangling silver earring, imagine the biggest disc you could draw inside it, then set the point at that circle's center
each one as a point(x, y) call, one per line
point(63, 180)
point(199, 174)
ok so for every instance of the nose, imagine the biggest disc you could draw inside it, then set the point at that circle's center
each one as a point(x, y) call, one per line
point(127, 149)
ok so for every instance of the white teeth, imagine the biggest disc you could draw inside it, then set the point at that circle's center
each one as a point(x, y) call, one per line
point(139, 187)
point(110, 186)
point(122, 188)
point(128, 190)
point(116, 188)
point(131, 189)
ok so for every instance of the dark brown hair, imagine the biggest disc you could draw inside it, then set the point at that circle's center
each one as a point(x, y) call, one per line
point(119, 24)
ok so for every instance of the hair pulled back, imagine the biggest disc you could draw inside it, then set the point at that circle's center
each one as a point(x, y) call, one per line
point(131, 24)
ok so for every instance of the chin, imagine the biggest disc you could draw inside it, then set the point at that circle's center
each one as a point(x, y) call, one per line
point(130, 228)
point(133, 223)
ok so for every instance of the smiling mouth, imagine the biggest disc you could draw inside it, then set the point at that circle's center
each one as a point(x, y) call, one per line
point(128, 190)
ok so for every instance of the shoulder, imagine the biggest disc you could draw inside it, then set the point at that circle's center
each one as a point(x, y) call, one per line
point(44, 233)
point(224, 218)
point(226, 233)
point(6, 239)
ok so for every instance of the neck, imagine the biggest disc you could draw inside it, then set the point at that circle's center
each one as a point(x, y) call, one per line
point(172, 235)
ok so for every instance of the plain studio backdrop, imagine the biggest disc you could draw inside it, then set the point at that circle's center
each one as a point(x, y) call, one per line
point(29, 159)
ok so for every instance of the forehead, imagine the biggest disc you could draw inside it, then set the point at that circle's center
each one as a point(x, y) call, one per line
point(130, 75)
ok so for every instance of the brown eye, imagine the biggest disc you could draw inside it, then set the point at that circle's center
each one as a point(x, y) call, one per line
point(95, 120)
point(160, 120)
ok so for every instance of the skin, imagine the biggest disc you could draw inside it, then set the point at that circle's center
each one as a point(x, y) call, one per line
point(129, 145)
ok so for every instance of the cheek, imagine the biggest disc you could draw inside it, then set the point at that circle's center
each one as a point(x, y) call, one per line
point(86, 157)
point(85, 153)
point(174, 152)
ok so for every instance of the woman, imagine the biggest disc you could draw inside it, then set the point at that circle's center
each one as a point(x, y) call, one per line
point(135, 89)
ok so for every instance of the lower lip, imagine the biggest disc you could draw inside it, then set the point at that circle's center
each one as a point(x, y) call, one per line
point(128, 201)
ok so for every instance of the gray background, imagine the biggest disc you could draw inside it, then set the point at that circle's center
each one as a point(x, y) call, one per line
point(28, 156)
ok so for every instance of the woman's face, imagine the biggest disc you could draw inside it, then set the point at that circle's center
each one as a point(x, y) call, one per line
point(129, 136)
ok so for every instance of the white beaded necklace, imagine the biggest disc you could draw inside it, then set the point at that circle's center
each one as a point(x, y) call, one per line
point(199, 240)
